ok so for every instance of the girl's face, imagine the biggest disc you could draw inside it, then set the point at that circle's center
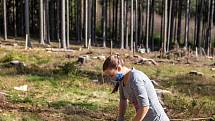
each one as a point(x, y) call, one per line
point(112, 72)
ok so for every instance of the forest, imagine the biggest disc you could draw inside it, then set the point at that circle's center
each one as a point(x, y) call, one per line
point(52, 53)
point(130, 24)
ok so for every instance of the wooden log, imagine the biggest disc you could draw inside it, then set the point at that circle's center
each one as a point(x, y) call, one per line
point(142, 60)
point(58, 50)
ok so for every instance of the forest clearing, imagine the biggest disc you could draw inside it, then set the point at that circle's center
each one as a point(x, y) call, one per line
point(60, 88)
point(53, 55)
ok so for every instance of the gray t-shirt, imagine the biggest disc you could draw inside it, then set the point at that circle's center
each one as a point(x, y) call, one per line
point(140, 92)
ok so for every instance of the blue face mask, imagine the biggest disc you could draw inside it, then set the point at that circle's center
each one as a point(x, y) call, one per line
point(119, 77)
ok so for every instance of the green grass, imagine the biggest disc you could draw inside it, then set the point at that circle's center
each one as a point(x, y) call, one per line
point(67, 91)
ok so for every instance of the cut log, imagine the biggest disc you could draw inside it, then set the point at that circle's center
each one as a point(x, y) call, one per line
point(141, 60)
point(83, 59)
point(196, 73)
point(58, 50)
point(99, 57)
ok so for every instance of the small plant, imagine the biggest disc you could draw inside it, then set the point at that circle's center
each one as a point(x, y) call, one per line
point(6, 58)
point(69, 67)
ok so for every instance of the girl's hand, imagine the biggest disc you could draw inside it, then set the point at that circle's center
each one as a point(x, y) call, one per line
point(121, 119)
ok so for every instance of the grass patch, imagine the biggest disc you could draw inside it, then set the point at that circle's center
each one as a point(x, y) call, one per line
point(189, 107)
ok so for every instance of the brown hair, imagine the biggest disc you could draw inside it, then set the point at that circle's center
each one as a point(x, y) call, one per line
point(111, 63)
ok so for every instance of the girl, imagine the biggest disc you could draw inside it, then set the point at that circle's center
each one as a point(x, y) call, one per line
point(136, 87)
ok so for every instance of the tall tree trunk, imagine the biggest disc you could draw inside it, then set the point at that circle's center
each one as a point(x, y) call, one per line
point(58, 23)
point(210, 25)
point(104, 15)
point(127, 24)
point(86, 23)
point(195, 28)
point(67, 23)
point(169, 25)
point(93, 20)
point(5, 20)
point(28, 43)
point(186, 37)
point(44, 21)
point(122, 24)
point(199, 13)
point(113, 19)
point(152, 14)
point(41, 23)
point(139, 34)
point(47, 22)
point(212, 22)
point(179, 22)
point(147, 25)
point(172, 25)
point(162, 25)
point(132, 24)
point(63, 32)
point(165, 25)
point(14, 18)
point(89, 23)
point(176, 23)
point(136, 22)
point(116, 20)
point(52, 21)
point(78, 20)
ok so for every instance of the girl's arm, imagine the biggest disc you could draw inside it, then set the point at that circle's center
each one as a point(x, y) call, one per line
point(140, 92)
point(122, 109)
point(141, 113)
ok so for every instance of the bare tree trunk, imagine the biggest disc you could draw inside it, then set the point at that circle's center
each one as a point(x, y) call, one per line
point(67, 23)
point(14, 18)
point(127, 24)
point(212, 22)
point(122, 24)
point(199, 13)
point(195, 28)
point(58, 23)
point(147, 25)
point(116, 20)
point(210, 25)
point(179, 21)
point(136, 23)
point(93, 28)
point(169, 27)
point(113, 19)
point(165, 25)
point(63, 32)
point(41, 23)
point(28, 43)
point(162, 25)
point(78, 20)
point(5, 20)
point(86, 23)
point(44, 21)
point(132, 24)
point(186, 37)
point(89, 23)
point(104, 15)
point(47, 22)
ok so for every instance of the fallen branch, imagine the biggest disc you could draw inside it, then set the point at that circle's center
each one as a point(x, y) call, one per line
point(58, 50)
point(192, 119)
point(142, 60)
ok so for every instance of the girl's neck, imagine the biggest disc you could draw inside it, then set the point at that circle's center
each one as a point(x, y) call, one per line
point(127, 75)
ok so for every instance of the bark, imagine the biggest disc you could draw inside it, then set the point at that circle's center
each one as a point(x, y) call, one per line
point(41, 23)
point(5, 20)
